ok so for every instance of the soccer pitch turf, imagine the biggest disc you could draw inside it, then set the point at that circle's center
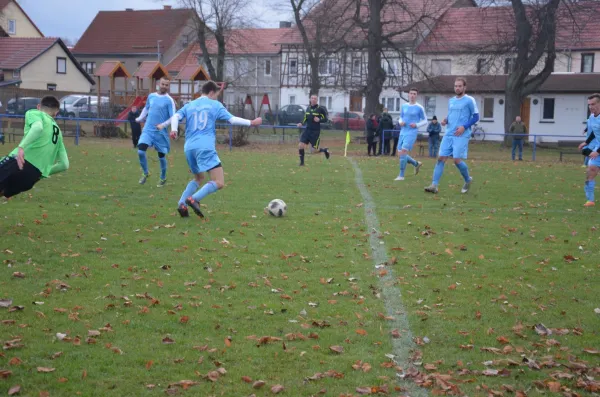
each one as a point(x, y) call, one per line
point(367, 285)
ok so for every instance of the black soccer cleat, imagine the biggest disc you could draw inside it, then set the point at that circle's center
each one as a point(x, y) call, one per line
point(193, 204)
point(183, 211)
point(327, 154)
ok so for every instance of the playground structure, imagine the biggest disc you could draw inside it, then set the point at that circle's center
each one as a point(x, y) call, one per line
point(146, 77)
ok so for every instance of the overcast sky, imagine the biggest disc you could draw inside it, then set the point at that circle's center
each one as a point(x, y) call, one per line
point(70, 18)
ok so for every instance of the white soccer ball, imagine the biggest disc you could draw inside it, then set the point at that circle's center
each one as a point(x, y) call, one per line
point(276, 208)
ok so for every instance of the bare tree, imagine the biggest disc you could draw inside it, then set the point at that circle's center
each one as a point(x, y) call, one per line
point(393, 26)
point(323, 26)
point(213, 21)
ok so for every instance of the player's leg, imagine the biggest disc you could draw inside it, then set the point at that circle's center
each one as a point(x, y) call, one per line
point(514, 149)
point(162, 144)
point(403, 148)
point(302, 146)
point(143, 145)
point(438, 171)
point(315, 141)
point(14, 181)
point(460, 153)
point(207, 160)
point(410, 143)
point(520, 150)
point(590, 182)
point(193, 185)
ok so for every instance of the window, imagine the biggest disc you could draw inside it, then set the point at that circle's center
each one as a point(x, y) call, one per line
point(292, 100)
point(326, 101)
point(488, 108)
point(326, 67)
point(61, 65)
point(397, 105)
point(16, 73)
point(229, 67)
point(390, 67)
point(441, 67)
point(267, 67)
point(587, 63)
point(548, 110)
point(390, 104)
point(242, 66)
point(483, 66)
point(185, 40)
point(293, 62)
point(90, 66)
point(12, 26)
point(51, 87)
point(509, 65)
point(356, 67)
point(430, 106)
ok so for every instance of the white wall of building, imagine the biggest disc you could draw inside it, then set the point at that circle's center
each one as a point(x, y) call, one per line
point(568, 122)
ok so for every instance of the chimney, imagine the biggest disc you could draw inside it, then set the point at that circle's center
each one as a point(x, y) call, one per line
point(129, 9)
point(285, 24)
point(167, 7)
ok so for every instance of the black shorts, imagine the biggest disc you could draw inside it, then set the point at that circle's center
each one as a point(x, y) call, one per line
point(312, 137)
point(13, 180)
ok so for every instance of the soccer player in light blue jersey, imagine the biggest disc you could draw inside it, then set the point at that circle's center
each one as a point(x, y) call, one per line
point(462, 115)
point(159, 107)
point(412, 116)
point(593, 128)
point(200, 150)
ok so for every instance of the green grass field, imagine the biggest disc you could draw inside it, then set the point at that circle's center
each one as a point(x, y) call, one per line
point(114, 295)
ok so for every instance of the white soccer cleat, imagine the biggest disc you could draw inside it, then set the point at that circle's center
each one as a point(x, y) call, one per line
point(399, 178)
point(466, 186)
point(418, 167)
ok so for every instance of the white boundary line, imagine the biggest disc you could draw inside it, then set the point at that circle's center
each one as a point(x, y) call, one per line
point(392, 296)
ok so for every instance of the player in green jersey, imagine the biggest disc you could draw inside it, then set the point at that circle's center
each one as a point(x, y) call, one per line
point(40, 154)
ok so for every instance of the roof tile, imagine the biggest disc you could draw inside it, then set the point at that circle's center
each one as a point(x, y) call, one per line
point(132, 32)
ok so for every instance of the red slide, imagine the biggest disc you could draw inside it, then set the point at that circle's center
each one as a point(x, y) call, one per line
point(139, 101)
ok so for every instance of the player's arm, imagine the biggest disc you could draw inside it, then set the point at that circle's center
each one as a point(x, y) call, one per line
point(223, 114)
point(303, 122)
point(323, 115)
point(35, 132)
point(142, 116)
point(474, 117)
point(401, 122)
point(422, 118)
point(62, 163)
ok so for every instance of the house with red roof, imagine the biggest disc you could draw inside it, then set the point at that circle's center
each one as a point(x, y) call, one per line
point(31, 61)
point(343, 65)
point(15, 21)
point(134, 36)
point(481, 50)
point(252, 65)
point(41, 63)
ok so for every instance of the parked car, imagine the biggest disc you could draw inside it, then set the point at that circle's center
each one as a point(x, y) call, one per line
point(288, 114)
point(356, 121)
point(21, 105)
point(80, 105)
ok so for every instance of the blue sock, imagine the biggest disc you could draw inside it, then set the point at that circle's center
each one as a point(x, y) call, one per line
point(402, 164)
point(589, 190)
point(163, 167)
point(437, 172)
point(189, 190)
point(207, 189)
point(143, 161)
point(464, 170)
point(411, 161)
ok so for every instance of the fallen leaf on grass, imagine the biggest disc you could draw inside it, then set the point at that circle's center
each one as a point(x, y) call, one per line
point(361, 332)
point(591, 351)
point(168, 341)
point(18, 275)
point(337, 349)
point(277, 389)
point(258, 384)
point(541, 329)
point(56, 355)
point(247, 379)
point(15, 361)
point(4, 373)
point(184, 319)
point(45, 369)
point(363, 390)
point(16, 389)
point(213, 376)
point(5, 302)
point(503, 340)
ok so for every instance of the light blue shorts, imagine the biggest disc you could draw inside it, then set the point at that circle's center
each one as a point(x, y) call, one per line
point(201, 160)
point(407, 142)
point(595, 161)
point(159, 140)
point(454, 146)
